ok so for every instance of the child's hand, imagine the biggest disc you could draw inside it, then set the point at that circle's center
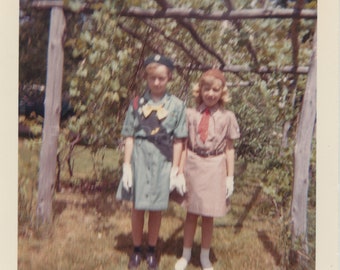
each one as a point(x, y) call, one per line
point(180, 184)
point(173, 174)
point(127, 176)
point(177, 181)
point(229, 185)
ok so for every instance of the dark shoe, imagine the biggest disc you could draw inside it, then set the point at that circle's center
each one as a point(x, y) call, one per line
point(135, 260)
point(151, 261)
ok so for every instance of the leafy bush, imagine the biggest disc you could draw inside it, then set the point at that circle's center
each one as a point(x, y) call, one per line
point(27, 183)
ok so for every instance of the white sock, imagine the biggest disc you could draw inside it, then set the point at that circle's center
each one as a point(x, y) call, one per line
point(204, 257)
point(182, 263)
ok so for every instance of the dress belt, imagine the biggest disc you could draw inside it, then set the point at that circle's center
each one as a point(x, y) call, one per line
point(203, 153)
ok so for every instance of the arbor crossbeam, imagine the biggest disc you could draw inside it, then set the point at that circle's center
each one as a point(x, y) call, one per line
point(230, 15)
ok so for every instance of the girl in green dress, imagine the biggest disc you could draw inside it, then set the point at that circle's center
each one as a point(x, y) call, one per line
point(154, 130)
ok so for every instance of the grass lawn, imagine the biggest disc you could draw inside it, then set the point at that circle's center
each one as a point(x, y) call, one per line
point(91, 230)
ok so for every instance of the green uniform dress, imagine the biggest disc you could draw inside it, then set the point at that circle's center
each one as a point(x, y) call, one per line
point(152, 150)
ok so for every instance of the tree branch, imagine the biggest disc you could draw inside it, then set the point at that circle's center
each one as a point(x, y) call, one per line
point(230, 68)
point(141, 38)
point(295, 35)
point(179, 44)
point(238, 25)
point(186, 24)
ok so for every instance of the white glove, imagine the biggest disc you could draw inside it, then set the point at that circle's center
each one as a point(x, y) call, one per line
point(173, 174)
point(127, 176)
point(180, 184)
point(229, 185)
point(177, 181)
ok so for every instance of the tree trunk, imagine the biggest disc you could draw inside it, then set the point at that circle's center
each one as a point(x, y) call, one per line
point(302, 154)
point(48, 152)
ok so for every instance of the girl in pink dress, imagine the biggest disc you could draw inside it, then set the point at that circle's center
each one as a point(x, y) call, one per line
point(207, 162)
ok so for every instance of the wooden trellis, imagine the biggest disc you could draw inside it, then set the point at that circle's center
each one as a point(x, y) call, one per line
point(183, 17)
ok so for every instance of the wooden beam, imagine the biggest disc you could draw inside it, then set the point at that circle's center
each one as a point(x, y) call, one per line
point(250, 14)
point(302, 156)
point(295, 36)
point(308, 14)
point(48, 4)
point(260, 70)
point(51, 126)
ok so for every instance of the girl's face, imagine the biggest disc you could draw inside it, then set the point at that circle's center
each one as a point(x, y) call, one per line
point(211, 91)
point(157, 78)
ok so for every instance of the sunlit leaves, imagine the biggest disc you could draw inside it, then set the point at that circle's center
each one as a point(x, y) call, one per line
point(100, 86)
point(108, 73)
point(82, 72)
point(33, 41)
point(86, 36)
point(75, 6)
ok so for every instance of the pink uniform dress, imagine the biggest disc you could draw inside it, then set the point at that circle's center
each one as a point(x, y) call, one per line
point(205, 166)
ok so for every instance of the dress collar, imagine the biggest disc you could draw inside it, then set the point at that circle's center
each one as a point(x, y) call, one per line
point(213, 109)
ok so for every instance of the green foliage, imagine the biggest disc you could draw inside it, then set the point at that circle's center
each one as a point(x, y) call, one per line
point(104, 51)
point(108, 76)
point(111, 48)
point(277, 180)
point(99, 86)
point(33, 43)
point(312, 179)
point(256, 112)
point(28, 164)
point(91, 170)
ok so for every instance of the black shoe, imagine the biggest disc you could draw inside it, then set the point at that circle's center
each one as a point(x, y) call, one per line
point(135, 260)
point(151, 261)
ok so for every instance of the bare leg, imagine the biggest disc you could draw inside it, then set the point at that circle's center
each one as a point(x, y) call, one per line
point(137, 223)
point(189, 229)
point(189, 233)
point(154, 224)
point(207, 231)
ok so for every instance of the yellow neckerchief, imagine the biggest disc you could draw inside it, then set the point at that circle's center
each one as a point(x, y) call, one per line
point(161, 113)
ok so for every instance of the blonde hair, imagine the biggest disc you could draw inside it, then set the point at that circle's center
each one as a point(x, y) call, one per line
point(197, 93)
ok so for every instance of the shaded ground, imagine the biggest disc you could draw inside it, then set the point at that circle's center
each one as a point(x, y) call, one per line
point(92, 231)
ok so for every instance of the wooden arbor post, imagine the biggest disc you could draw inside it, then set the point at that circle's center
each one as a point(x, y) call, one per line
point(48, 152)
point(302, 155)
